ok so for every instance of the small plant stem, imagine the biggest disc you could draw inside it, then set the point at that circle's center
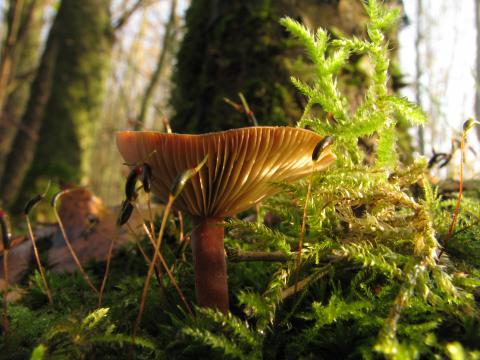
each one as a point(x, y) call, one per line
point(292, 290)
point(150, 213)
point(459, 198)
point(172, 278)
point(107, 267)
point(148, 231)
point(248, 111)
point(168, 271)
point(72, 251)
point(37, 258)
point(181, 236)
point(237, 255)
point(145, 256)
point(150, 234)
point(5, 293)
point(157, 254)
point(302, 231)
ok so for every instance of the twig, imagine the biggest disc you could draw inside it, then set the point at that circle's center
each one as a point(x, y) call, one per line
point(107, 268)
point(6, 240)
point(175, 190)
point(237, 255)
point(145, 257)
point(123, 19)
point(67, 241)
point(37, 259)
point(292, 290)
point(248, 111)
point(5, 293)
point(31, 204)
point(244, 108)
point(157, 254)
point(302, 232)
point(150, 212)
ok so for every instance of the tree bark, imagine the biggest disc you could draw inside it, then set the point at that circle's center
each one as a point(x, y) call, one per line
point(23, 148)
point(7, 55)
point(239, 46)
point(25, 62)
point(68, 113)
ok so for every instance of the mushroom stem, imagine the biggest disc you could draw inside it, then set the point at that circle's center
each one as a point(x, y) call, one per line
point(211, 287)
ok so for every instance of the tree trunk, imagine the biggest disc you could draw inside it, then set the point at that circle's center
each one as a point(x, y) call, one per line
point(14, 16)
point(239, 46)
point(83, 38)
point(23, 148)
point(25, 62)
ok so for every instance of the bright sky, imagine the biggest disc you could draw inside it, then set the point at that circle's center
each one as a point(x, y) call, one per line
point(448, 56)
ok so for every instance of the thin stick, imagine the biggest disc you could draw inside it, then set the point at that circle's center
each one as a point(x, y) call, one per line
point(107, 267)
point(182, 227)
point(150, 231)
point(5, 294)
point(150, 213)
point(37, 258)
point(145, 256)
point(459, 198)
point(237, 255)
point(292, 290)
point(181, 236)
point(156, 255)
point(302, 232)
point(170, 275)
point(248, 111)
point(158, 273)
point(158, 270)
point(72, 251)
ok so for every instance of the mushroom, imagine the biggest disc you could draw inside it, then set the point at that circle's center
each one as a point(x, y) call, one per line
point(243, 165)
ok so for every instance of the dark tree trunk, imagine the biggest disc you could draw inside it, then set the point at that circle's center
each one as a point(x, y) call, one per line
point(239, 46)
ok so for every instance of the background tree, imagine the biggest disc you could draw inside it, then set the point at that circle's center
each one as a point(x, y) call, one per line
point(82, 38)
point(23, 58)
point(239, 46)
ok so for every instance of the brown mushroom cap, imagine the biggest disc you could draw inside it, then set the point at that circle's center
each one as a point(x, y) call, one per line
point(242, 165)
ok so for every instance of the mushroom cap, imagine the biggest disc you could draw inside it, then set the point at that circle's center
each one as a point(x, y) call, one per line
point(242, 167)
